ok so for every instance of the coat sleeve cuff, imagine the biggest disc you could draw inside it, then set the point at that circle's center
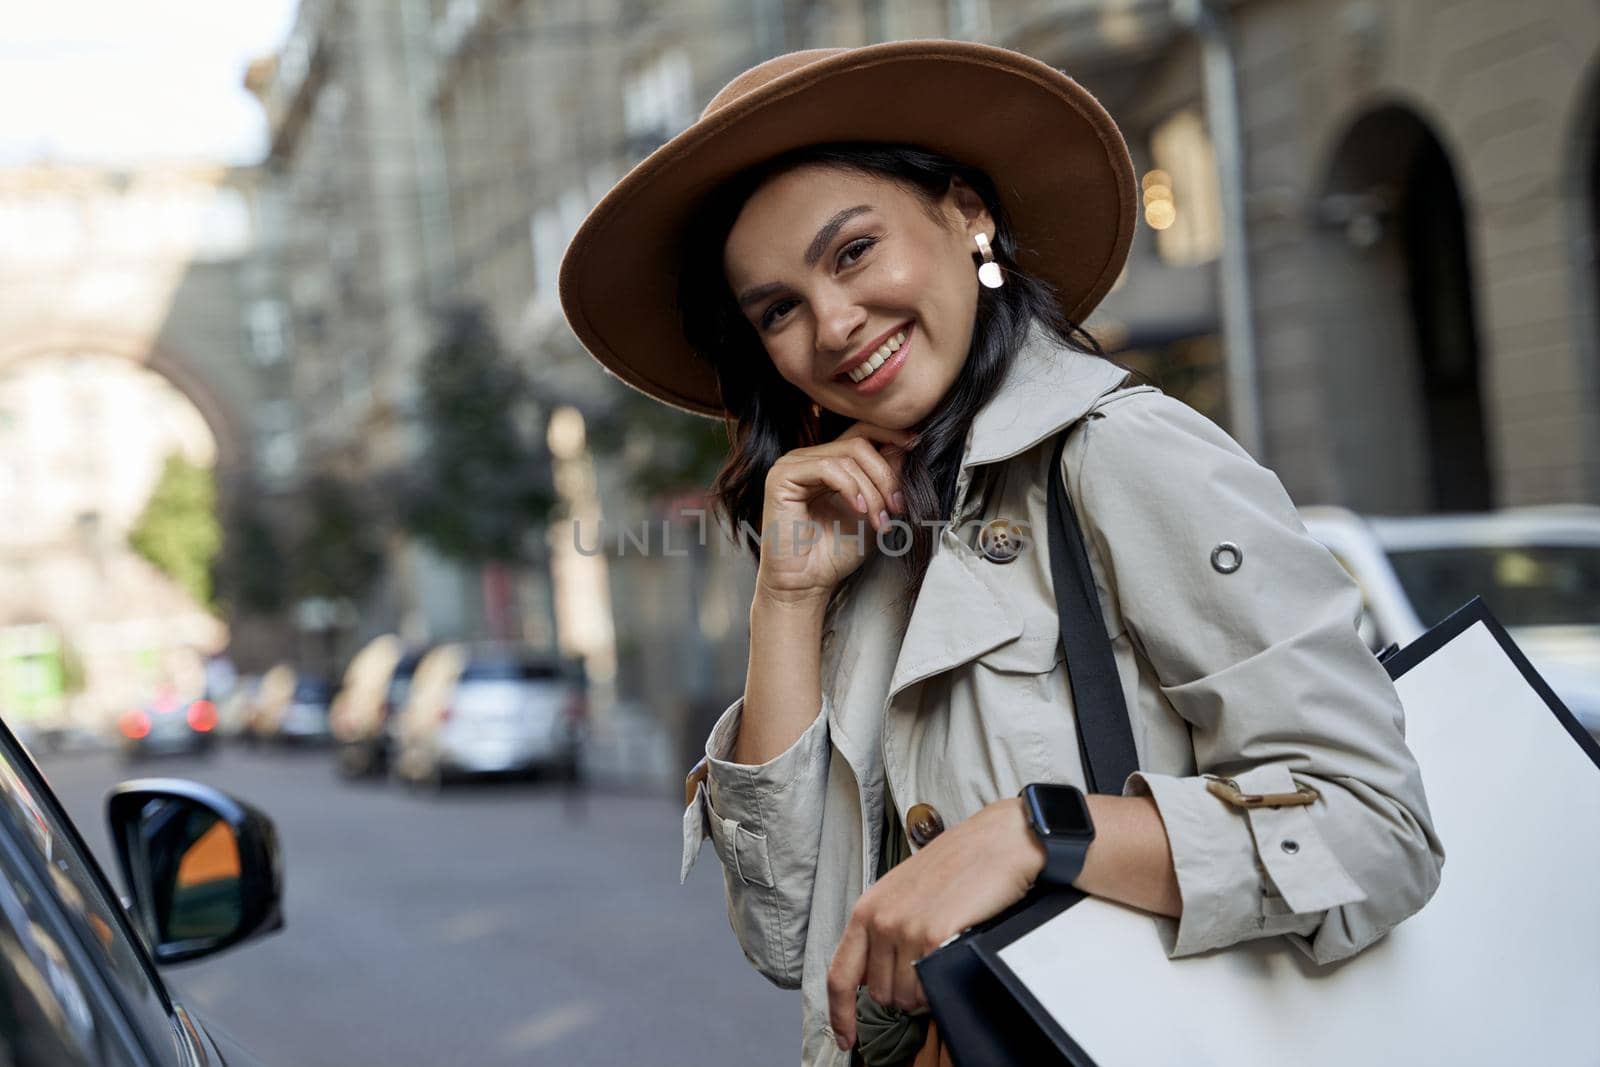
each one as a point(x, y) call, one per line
point(1243, 874)
point(744, 792)
point(740, 804)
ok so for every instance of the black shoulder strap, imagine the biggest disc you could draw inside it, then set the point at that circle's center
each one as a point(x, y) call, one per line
point(1105, 737)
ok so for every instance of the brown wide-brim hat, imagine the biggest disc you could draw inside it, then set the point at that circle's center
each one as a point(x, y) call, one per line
point(1054, 154)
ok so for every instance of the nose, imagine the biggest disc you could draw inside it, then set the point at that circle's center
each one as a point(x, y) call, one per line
point(839, 320)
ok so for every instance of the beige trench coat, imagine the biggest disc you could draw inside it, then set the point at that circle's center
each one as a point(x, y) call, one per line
point(1258, 675)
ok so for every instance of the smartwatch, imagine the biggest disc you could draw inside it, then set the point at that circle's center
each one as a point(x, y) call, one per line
point(1059, 814)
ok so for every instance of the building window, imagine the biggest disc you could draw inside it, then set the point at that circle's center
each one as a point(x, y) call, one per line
point(268, 328)
point(658, 101)
point(1182, 198)
point(548, 243)
point(552, 229)
point(277, 450)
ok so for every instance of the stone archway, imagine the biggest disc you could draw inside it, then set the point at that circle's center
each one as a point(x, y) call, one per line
point(1397, 296)
point(224, 422)
point(87, 428)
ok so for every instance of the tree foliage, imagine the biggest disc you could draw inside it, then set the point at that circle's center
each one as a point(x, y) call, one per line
point(338, 552)
point(670, 450)
point(251, 574)
point(178, 530)
point(483, 479)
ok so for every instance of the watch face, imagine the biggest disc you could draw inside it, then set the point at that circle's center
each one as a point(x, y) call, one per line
point(1060, 811)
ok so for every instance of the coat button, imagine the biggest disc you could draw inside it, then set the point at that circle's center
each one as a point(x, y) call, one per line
point(1001, 541)
point(923, 824)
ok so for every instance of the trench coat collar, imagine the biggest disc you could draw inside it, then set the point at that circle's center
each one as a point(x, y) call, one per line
point(1048, 387)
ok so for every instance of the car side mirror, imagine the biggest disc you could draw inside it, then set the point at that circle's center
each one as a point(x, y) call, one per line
point(202, 868)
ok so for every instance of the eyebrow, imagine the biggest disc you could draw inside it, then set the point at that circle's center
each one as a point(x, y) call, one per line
point(830, 230)
point(819, 244)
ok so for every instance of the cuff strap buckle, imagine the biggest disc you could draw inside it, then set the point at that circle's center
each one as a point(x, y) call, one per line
point(1228, 790)
point(694, 779)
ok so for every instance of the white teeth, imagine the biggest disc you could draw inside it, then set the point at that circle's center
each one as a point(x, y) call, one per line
point(863, 371)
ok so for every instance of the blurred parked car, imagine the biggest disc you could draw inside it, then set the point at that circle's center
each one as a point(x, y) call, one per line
point(489, 710)
point(375, 685)
point(234, 709)
point(78, 976)
point(271, 703)
point(1538, 570)
point(168, 725)
point(305, 720)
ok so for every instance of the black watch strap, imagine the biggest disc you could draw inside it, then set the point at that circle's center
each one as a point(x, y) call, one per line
point(1063, 861)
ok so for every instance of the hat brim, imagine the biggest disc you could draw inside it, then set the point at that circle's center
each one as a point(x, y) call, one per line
point(1059, 164)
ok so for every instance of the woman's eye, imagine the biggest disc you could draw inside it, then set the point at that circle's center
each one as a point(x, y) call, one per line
point(853, 251)
point(775, 312)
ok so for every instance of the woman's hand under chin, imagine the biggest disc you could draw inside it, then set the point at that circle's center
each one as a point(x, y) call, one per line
point(823, 509)
point(969, 873)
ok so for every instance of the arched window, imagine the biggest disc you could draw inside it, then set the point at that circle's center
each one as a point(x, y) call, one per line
point(1396, 294)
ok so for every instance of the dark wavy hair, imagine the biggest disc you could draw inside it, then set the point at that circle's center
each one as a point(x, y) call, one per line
point(768, 417)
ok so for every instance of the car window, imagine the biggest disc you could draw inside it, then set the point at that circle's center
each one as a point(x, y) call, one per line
point(1524, 585)
point(45, 1012)
point(502, 671)
point(399, 689)
point(50, 839)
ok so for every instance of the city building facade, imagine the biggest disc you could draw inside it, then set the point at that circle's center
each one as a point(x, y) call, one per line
point(1366, 247)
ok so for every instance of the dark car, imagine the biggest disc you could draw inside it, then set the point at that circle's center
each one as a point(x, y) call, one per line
point(78, 986)
point(168, 725)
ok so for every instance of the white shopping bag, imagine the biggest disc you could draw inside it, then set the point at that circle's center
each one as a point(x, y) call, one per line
point(1501, 967)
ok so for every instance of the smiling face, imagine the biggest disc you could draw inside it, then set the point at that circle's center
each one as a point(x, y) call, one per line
point(863, 294)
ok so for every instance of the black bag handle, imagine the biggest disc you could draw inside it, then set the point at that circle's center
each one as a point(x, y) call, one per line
point(1105, 737)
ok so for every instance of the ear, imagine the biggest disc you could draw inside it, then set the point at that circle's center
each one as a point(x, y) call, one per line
point(965, 207)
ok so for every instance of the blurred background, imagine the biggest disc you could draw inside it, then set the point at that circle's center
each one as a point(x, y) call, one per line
point(294, 439)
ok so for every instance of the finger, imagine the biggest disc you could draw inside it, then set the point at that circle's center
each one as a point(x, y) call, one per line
point(881, 971)
point(844, 977)
point(811, 473)
point(877, 467)
point(907, 986)
point(877, 503)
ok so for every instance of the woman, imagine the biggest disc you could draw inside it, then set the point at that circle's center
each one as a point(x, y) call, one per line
point(816, 260)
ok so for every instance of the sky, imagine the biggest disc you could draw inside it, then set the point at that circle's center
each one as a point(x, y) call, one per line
point(130, 81)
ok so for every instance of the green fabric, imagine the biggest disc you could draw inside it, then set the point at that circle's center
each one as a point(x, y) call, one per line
point(887, 1036)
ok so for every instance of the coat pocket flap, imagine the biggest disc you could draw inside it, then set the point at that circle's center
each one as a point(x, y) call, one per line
point(742, 853)
point(1028, 654)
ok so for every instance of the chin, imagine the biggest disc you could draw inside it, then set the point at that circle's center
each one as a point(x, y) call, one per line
point(898, 415)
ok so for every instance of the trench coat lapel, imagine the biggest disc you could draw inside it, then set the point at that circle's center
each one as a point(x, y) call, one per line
point(958, 616)
point(961, 612)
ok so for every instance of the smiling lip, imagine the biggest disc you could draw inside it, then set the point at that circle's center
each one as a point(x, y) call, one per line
point(884, 376)
point(843, 373)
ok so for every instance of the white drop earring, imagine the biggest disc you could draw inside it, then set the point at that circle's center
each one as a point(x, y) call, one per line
point(988, 271)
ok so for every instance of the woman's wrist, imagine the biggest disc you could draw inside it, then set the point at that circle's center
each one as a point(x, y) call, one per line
point(1130, 860)
point(802, 604)
point(1029, 852)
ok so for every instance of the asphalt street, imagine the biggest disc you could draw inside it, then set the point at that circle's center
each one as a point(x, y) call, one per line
point(496, 924)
